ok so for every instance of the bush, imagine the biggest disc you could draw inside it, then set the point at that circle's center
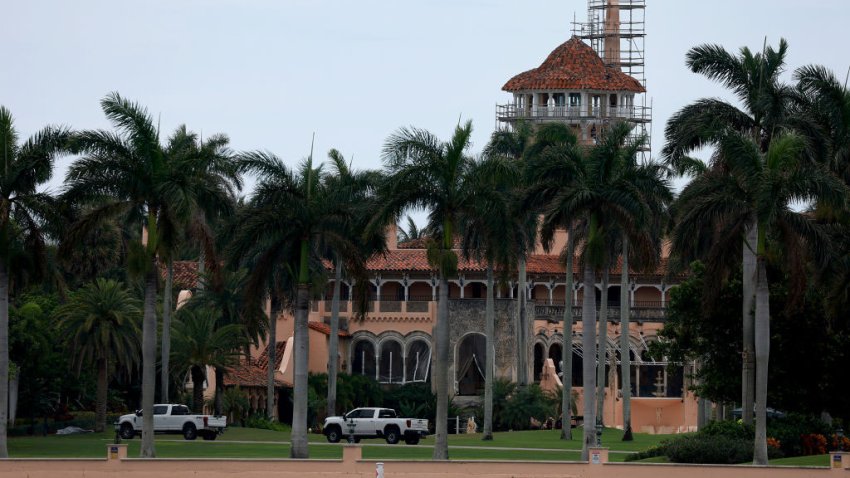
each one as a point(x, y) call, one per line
point(262, 422)
point(728, 428)
point(523, 405)
point(790, 429)
point(413, 400)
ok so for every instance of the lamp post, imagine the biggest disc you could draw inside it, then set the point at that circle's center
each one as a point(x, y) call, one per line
point(839, 435)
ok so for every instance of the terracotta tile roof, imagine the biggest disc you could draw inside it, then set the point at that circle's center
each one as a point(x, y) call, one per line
point(254, 373)
point(573, 66)
point(422, 243)
point(326, 329)
point(185, 274)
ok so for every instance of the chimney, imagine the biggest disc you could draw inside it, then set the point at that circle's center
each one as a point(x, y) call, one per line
point(612, 33)
point(392, 237)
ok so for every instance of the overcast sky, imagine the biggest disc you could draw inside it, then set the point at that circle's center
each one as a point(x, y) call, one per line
point(270, 73)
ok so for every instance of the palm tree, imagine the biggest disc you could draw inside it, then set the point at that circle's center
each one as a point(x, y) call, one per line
point(357, 189)
point(101, 323)
point(761, 185)
point(201, 340)
point(292, 217)
point(597, 186)
point(424, 172)
point(22, 208)
point(211, 155)
point(412, 233)
point(754, 79)
point(486, 237)
point(226, 294)
point(518, 145)
point(129, 175)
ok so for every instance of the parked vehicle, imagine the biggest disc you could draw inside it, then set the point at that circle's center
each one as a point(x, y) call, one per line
point(172, 418)
point(375, 423)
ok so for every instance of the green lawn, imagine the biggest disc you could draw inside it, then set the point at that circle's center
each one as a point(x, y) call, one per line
point(239, 442)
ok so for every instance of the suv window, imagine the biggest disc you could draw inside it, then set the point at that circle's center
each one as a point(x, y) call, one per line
point(386, 414)
point(160, 409)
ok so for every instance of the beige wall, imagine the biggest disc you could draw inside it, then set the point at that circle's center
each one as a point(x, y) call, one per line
point(353, 466)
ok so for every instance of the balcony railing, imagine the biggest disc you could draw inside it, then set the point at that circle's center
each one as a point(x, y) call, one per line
point(641, 311)
point(509, 112)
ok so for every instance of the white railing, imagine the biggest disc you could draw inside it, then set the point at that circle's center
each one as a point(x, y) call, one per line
point(540, 112)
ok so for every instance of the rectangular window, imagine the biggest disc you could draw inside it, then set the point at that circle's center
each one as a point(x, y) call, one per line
point(575, 99)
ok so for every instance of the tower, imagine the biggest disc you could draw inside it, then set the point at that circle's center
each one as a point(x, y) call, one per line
point(592, 79)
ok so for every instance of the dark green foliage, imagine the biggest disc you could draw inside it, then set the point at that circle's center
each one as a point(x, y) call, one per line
point(264, 423)
point(523, 405)
point(789, 430)
point(413, 400)
point(352, 391)
point(730, 429)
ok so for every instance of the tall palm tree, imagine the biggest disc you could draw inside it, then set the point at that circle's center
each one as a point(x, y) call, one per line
point(358, 189)
point(293, 216)
point(25, 167)
point(518, 145)
point(101, 323)
point(761, 185)
point(597, 186)
point(201, 155)
point(201, 340)
point(485, 230)
point(128, 174)
point(226, 294)
point(765, 106)
point(425, 172)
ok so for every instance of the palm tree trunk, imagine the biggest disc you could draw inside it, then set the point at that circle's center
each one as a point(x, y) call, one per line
point(748, 369)
point(270, 368)
point(625, 357)
point(762, 345)
point(100, 402)
point(588, 344)
point(441, 371)
point(521, 335)
point(4, 358)
point(197, 389)
point(490, 367)
point(166, 329)
point(218, 398)
point(567, 346)
point(147, 449)
point(602, 349)
point(301, 354)
point(333, 341)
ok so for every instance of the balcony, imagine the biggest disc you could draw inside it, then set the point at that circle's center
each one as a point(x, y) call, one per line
point(641, 311)
point(635, 114)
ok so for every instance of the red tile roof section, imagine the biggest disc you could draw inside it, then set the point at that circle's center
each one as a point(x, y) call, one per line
point(254, 372)
point(326, 329)
point(573, 66)
point(185, 274)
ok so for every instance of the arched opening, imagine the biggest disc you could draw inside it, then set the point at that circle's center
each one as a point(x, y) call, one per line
point(539, 357)
point(363, 360)
point(418, 361)
point(469, 368)
point(392, 362)
point(555, 355)
point(578, 365)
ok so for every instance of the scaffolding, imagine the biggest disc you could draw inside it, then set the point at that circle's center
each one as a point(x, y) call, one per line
point(616, 30)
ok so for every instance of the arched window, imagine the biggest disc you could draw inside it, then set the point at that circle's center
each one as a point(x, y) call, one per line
point(555, 355)
point(469, 368)
point(363, 360)
point(578, 365)
point(418, 361)
point(392, 364)
point(539, 358)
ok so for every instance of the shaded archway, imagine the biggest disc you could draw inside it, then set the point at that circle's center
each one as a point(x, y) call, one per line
point(470, 363)
point(418, 361)
point(539, 357)
point(555, 355)
point(392, 362)
point(363, 359)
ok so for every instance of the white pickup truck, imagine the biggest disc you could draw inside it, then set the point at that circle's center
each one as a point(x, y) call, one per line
point(173, 418)
point(375, 423)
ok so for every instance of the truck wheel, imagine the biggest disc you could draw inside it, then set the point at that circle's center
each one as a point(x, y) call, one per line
point(126, 431)
point(411, 439)
point(189, 431)
point(333, 434)
point(210, 435)
point(392, 435)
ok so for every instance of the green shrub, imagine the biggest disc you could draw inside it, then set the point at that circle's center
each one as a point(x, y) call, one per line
point(523, 405)
point(412, 400)
point(729, 428)
point(790, 429)
point(262, 422)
